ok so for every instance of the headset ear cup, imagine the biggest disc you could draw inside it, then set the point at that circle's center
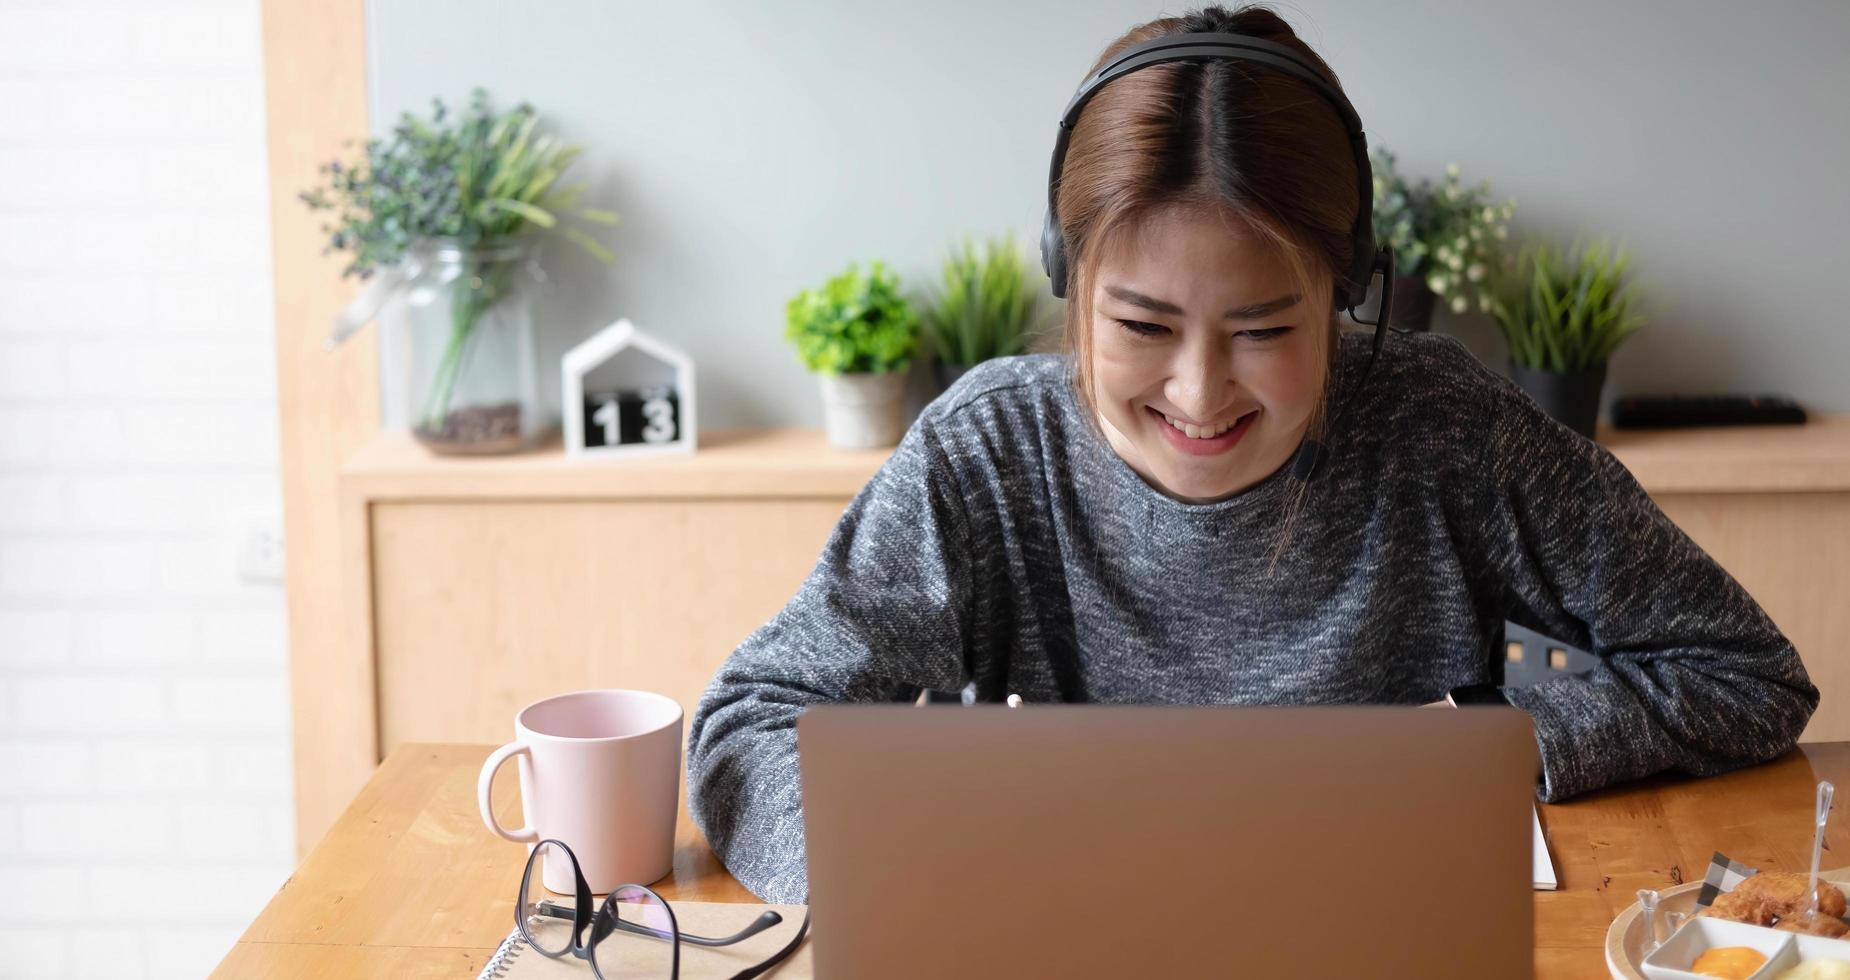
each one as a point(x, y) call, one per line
point(1053, 255)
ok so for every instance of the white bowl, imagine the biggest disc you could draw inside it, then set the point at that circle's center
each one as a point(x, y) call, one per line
point(1809, 948)
point(1672, 960)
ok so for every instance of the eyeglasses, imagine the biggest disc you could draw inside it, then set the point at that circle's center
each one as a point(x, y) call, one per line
point(622, 934)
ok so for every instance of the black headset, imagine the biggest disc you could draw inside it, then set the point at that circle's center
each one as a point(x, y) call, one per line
point(1369, 257)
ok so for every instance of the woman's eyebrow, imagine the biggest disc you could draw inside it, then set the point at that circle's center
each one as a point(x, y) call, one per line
point(1253, 312)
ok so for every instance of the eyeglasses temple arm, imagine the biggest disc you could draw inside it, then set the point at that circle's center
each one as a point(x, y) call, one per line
point(758, 925)
point(763, 922)
point(780, 955)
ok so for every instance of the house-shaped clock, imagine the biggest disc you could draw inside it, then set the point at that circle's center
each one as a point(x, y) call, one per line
point(626, 393)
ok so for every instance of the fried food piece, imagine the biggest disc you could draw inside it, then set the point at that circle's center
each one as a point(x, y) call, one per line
point(1739, 906)
point(1788, 893)
point(1813, 925)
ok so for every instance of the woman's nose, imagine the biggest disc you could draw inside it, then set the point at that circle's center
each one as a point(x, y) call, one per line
point(1201, 380)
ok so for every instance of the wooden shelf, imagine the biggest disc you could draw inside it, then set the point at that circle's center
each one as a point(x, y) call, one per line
point(741, 464)
point(761, 463)
point(1814, 457)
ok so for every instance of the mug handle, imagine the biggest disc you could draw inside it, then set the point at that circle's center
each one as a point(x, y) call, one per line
point(484, 787)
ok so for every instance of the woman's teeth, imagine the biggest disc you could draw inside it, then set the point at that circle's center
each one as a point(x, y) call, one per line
point(1198, 432)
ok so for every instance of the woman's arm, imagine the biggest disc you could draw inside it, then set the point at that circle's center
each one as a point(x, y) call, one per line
point(1692, 675)
point(882, 616)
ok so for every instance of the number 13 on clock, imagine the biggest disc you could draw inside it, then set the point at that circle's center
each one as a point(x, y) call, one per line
point(638, 416)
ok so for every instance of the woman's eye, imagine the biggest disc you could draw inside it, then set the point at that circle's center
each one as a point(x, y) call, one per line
point(1142, 329)
point(1270, 333)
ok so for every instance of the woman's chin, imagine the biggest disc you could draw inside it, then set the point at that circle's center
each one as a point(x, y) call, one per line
point(1190, 484)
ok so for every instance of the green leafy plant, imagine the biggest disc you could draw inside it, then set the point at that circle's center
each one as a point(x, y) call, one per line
point(482, 178)
point(856, 323)
point(985, 307)
point(1564, 312)
point(1445, 233)
point(475, 181)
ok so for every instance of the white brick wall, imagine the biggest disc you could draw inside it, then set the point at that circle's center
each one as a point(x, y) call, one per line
point(144, 743)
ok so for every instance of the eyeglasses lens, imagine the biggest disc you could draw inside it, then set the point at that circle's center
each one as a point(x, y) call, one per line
point(643, 945)
point(549, 933)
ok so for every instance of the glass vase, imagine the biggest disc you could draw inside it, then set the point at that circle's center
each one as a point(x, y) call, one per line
point(458, 356)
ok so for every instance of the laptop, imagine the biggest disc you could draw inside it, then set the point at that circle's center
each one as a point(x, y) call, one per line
point(1153, 841)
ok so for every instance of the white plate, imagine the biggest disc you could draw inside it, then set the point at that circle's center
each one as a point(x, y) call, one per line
point(1625, 939)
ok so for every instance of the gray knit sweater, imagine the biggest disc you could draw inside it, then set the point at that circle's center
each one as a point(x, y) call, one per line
point(1005, 543)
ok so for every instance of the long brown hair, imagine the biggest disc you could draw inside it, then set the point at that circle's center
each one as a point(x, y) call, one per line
point(1237, 140)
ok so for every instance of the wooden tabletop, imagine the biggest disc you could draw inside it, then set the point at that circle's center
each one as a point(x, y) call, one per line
point(408, 883)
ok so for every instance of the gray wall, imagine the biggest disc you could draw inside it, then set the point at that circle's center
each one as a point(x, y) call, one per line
point(754, 148)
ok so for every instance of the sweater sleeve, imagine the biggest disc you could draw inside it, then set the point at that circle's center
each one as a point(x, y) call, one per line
point(881, 617)
point(1692, 675)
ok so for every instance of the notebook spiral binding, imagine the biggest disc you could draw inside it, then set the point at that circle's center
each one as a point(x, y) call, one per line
point(499, 964)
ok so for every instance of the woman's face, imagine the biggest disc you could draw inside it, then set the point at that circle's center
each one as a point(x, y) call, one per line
point(1206, 365)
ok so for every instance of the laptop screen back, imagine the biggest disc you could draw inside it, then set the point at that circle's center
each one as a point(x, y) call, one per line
point(1112, 841)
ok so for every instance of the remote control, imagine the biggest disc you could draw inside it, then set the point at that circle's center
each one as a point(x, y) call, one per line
point(1681, 411)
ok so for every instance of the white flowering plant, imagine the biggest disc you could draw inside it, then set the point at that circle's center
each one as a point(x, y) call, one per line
point(1447, 234)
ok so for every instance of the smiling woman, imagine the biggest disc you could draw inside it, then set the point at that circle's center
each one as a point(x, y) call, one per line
point(1193, 196)
point(1126, 522)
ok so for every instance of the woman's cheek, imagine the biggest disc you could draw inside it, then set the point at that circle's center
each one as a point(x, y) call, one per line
point(1114, 346)
point(1116, 366)
point(1302, 377)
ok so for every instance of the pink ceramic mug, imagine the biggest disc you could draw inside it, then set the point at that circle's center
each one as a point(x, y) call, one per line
point(601, 771)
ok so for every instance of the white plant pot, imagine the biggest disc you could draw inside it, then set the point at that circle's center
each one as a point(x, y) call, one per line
point(862, 411)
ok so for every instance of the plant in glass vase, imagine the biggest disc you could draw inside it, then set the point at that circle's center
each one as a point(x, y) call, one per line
point(1445, 239)
point(439, 217)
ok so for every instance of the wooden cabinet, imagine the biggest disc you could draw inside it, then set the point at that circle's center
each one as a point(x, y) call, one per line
point(480, 608)
point(472, 587)
point(475, 586)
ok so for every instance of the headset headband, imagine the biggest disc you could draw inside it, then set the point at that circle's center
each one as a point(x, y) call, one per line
point(1229, 47)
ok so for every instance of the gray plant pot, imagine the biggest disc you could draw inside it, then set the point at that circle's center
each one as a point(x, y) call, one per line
point(946, 374)
point(1570, 398)
point(863, 411)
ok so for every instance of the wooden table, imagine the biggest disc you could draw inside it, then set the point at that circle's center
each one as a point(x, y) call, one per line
point(408, 883)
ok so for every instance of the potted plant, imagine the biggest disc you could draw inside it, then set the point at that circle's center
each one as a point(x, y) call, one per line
point(985, 307)
point(1563, 316)
point(1444, 237)
point(859, 335)
point(440, 218)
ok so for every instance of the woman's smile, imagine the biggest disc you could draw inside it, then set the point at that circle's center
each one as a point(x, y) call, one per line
point(1199, 441)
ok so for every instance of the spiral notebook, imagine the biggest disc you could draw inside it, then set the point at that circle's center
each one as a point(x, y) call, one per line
point(515, 960)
